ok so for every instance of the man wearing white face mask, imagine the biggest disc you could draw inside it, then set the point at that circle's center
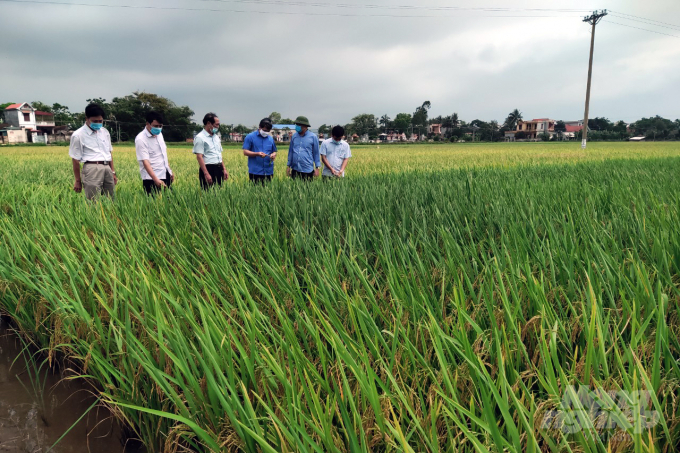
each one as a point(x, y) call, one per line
point(335, 153)
point(152, 155)
point(91, 146)
point(260, 148)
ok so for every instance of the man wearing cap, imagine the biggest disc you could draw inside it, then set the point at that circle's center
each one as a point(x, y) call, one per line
point(208, 150)
point(91, 145)
point(303, 152)
point(152, 155)
point(260, 148)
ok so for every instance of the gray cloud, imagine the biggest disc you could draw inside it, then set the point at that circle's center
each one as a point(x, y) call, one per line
point(245, 65)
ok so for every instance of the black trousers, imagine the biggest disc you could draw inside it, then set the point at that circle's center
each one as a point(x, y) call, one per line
point(153, 189)
point(304, 176)
point(259, 179)
point(216, 173)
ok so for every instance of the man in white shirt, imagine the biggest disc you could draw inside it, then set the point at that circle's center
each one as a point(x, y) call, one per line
point(152, 155)
point(91, 146)
point(208, 150)
point(335, 154)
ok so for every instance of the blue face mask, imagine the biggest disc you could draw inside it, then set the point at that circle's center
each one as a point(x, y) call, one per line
point(156, 130)
point(298, 129)
point(337, 142)
point(96, 126)
point(215, 130)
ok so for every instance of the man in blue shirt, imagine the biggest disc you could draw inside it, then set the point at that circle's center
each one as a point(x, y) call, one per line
point(260, 148)
point(303, 153)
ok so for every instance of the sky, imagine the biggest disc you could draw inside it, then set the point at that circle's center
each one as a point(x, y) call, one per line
point(333, 59)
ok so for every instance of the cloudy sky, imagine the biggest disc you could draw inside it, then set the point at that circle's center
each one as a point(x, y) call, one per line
point(332, 59)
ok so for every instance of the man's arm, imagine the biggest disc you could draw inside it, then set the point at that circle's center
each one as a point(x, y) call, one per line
point(315, 156)
point(290, 157)
point(326, 164)
point(149, 170)
point(344, 165)
point(78, 185)
point(115, 178)
point(76, 152)
point(201, 164)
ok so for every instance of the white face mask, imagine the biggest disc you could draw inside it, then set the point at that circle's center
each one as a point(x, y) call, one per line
point(265, 134)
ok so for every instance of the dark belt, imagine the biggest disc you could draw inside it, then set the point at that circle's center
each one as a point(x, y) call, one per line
point(98, 162)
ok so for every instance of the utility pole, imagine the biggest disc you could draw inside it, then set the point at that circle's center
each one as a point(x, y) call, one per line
point(593, 20)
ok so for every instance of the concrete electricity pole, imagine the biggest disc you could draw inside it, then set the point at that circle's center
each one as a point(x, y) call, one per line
point(593, 20)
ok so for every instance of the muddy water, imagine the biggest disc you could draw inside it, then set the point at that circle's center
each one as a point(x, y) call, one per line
point(33, 417)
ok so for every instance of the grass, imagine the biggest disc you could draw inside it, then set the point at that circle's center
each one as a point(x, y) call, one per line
point(440, 298)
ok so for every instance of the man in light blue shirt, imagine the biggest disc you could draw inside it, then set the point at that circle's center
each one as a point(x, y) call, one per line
point(303, 152)
point(260, 148)
point(208, 150)
point(335, 153)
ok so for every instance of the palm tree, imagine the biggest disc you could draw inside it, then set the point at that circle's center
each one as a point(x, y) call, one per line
point(513, 118)
point(385, 121)
point(455, 121)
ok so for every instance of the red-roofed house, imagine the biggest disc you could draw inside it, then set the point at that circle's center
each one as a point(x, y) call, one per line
point(35, 124)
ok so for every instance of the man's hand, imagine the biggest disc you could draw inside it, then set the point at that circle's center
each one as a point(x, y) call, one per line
point(316, 172)
point(172, 177)
point(261, 154)
point(272, 156)
point(159, 183)
point(78, 186)
point(115, 180)
point(225, 174)
point(208, 179)
point(335, 172)
point(288, 171)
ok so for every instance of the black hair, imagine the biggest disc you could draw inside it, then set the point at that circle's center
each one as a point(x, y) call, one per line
point(93, 110)
point(209, 118)
point(266, 122)
point(338, 131)
point(151, 116)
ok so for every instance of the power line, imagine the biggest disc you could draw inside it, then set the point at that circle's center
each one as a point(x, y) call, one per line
point(285, 13)
point(643, 18)
point(395, 7)
point(646, 23)
point(643, 29)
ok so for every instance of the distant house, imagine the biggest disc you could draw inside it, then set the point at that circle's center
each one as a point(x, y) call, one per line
point(283, 132)
point(435, 129)
point(532, 129)
point(392, 137)
point(34, 125)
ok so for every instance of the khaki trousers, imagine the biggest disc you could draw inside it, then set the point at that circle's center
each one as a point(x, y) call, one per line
point(98, 180)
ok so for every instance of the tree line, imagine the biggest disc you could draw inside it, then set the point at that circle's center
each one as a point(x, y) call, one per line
point(126, 114)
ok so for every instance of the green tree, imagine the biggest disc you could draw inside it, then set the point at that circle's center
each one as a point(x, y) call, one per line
point(420, 115)
point(385, 122)
point(41, 107)
point(366, 123)
point(2, 110)
point(513, 118)
point(324, 129)
point(402, 122)
point(275, 117)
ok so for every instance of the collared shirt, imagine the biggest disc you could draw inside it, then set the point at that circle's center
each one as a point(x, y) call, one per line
point(90, 146)
point(335, 154)
point(303, 152)
point(258, 144)
point(210, 146)
point(152, 148)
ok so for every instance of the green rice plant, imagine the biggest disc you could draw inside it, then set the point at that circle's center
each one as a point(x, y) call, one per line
point(440, 298)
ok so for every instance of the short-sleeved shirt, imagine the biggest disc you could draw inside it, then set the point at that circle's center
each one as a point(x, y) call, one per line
point(258, 144)
point(152, 148)
point(335, 154)
point(90, 146)
point(303, 152)
point(210, 146)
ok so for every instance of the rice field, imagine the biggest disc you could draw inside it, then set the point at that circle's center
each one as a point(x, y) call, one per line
point(440, 298)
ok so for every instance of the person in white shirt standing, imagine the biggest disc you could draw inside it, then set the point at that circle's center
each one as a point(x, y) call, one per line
point(152, 155)
point(335, 154)
point(91, 146)
point(208, 150)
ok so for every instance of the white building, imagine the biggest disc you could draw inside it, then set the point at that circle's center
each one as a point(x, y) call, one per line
point(36, 125)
